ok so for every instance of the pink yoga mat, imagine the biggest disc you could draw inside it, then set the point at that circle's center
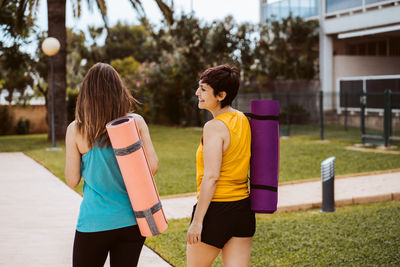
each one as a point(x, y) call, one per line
point(139, 182)
point(264, 164)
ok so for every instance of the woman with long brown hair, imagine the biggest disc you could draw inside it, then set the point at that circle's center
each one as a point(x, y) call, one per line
point(106, 222)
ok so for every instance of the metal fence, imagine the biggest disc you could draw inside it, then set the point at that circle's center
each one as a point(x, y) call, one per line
point(370, 117)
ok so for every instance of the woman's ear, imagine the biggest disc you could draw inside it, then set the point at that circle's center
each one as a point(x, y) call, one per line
point(221, 96)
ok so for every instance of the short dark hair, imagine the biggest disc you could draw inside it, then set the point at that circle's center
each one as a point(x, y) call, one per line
point(223, 78)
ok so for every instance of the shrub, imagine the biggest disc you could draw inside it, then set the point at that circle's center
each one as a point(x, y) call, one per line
point(5, 120)
point(22, 126)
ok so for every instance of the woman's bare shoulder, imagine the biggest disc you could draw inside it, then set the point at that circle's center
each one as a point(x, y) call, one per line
point(71, 129)
point(74, 134)
point(215, 127)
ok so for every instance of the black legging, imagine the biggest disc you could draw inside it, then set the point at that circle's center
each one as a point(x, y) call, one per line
point(124, 245)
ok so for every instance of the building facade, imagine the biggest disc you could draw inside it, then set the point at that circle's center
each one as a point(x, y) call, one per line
point(359, 41)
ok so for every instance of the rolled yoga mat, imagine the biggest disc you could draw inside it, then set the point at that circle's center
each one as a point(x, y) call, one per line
point(135, 170)
point(264, 164)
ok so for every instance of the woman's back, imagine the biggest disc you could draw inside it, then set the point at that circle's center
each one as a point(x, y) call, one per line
point(105, 202)
point(232, 182)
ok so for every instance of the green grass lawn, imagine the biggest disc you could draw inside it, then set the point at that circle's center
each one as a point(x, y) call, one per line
point(300, 156)
point(176, 150)
point(353, 134)
point(362, 235)
point(330, 132)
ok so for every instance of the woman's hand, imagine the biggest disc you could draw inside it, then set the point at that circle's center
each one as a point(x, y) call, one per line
point(194, 233)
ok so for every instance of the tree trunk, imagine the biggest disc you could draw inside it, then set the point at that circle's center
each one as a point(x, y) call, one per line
point(57, 29)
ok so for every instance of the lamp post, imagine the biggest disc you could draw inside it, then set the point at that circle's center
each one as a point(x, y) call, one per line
point(50, 47)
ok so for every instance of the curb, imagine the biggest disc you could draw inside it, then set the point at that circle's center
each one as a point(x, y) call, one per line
point(352, 175)
point(343, 202)
point(179, 195)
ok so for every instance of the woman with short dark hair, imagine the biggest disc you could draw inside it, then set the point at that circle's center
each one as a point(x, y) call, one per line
point(222, 220)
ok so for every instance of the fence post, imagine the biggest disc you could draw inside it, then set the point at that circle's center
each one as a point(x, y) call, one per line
point(387, 121)
point(288, 113)
point(346, 96)
point(321, 114)
point(363, 103)
point(390, 114)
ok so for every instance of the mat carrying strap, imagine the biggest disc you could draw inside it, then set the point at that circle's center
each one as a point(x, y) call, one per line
point(148, 214)
point(262, 117)
point(129, 149)
point(264, 187)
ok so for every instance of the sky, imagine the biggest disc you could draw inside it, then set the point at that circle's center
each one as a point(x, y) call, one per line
point(121, 10)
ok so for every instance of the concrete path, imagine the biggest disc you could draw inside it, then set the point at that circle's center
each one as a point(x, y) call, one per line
point(38, 215)
point(38, 212)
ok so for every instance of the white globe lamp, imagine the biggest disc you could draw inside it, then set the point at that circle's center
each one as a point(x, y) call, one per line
point(50, 46)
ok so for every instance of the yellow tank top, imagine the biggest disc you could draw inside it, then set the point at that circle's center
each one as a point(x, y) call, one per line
point(232, 182)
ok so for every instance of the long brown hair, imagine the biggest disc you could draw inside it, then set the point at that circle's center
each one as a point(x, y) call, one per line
point(102, 98)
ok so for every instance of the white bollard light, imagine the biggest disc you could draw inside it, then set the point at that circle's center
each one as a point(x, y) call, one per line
point(328, 184)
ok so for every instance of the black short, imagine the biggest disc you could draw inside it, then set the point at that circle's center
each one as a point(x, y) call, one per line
point(224, 220)
point(123, 244)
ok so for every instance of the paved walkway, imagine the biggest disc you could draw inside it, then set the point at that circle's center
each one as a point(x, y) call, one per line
point(39, 212)
point(38, 215)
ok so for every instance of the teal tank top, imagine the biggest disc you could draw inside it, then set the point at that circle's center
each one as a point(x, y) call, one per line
point(105, 204)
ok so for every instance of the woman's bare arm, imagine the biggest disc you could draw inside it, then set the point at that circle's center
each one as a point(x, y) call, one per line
point(213, 146)
point(147, 144)
point(73, 157)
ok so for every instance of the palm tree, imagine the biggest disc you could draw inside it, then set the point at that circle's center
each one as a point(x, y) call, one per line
point(56, 10)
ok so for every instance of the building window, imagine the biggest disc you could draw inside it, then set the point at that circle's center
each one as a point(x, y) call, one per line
point(298, 8)
point(394, 46)
point(374, 87)
point(368, 2)
point(342, 5)
point(382, 48)
point(352, 49)
point(362, 49)
point(371, 48)
point(339, 5)
point(375, 47)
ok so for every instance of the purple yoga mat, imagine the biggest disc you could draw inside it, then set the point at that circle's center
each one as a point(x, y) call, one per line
point(264, 155)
